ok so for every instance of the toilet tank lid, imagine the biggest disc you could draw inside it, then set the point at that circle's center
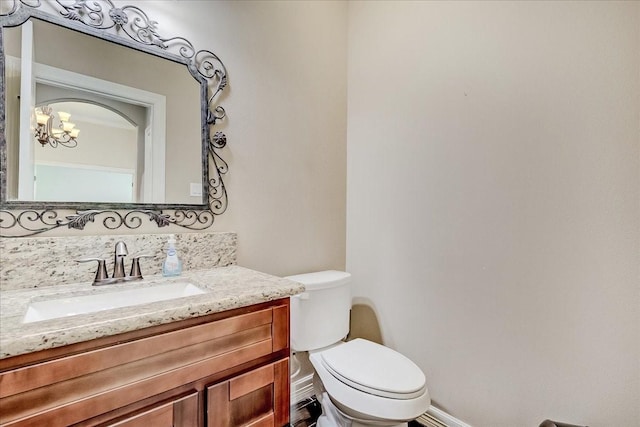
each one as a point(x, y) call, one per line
point(321, 279)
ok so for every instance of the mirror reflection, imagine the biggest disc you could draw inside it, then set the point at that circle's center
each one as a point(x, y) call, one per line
point(92, 121)
point(103, 157)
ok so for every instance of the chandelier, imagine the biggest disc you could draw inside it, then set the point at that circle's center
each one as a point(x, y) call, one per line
point(64, 135)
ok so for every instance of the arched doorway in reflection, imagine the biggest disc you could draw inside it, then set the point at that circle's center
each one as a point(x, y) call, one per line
point(103, 164)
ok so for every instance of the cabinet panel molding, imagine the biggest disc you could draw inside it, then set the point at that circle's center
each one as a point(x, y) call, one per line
point(251, 381)
point(266, 421)
point(181, 412)
point(281, 392)
point(281, 327)
point(218, 405)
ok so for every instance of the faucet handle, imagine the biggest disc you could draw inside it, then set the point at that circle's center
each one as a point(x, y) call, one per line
point(101, 273)
point(135, 265)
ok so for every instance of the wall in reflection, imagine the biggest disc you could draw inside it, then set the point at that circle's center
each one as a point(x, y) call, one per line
point(104, 166)
point(70, 51)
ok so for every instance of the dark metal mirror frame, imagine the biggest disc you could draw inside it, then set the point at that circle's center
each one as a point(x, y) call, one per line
point(131, 27)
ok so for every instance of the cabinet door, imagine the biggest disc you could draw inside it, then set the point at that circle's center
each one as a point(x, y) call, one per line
point(259, 398)
point(180, 412)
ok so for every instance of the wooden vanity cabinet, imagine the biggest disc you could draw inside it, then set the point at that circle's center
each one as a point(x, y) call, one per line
point(225, 369)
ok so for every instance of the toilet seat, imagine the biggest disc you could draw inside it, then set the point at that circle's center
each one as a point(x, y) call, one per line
point(360, 402)
point(375, 369)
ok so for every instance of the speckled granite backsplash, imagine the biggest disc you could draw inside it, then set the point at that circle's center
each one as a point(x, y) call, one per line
point(48, 261)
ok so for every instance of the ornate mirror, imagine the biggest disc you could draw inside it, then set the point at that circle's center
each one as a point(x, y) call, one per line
point(104, 119)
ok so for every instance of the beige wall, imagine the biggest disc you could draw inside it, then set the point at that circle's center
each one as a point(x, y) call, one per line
point(493, 210)
point(105, 146)
point(286, 125)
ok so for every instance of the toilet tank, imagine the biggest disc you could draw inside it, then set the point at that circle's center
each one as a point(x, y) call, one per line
point(320, 315)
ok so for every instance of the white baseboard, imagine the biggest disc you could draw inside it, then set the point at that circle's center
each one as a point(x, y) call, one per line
point(435, 417)
point(301, 389)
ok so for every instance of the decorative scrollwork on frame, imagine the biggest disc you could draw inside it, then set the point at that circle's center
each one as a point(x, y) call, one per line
point(32, 222)
point(132, 27)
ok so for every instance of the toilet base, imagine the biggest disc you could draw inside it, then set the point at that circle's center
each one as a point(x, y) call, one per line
point(332, 416)
point(357, 424)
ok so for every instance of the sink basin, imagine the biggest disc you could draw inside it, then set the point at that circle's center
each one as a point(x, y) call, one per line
point(62, 307)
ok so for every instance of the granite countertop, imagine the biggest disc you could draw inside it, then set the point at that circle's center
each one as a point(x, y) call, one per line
point(226, 288)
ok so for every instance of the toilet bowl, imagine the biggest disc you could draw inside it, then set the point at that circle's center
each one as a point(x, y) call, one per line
point(366, 383)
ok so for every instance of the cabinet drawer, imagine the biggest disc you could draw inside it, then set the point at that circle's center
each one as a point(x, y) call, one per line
point(81, 386)
point(66, 368)
point(258, 398)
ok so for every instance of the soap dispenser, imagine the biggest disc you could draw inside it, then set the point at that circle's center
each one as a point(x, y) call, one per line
point(172, 265)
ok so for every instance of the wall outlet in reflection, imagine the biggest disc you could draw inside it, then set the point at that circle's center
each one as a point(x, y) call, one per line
point(195, 189)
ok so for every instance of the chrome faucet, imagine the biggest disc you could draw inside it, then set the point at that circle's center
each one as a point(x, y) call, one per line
point(118, 276)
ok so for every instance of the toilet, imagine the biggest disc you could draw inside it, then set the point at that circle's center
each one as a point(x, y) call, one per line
point(359, 382)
